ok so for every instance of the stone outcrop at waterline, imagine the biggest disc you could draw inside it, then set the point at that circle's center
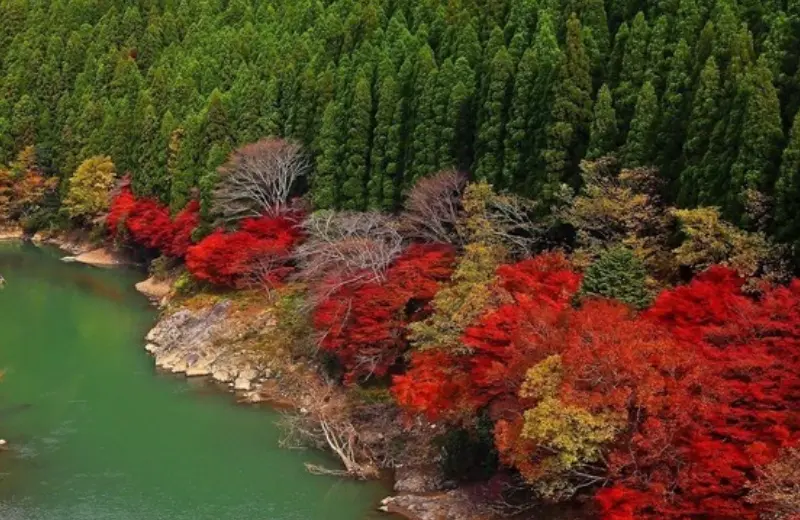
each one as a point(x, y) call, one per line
point(210, 341)
point(197, 343)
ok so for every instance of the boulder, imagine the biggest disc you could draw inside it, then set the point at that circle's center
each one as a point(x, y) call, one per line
point(242, 384)
point(418, 479)
point(222, 375)
point(154, 289)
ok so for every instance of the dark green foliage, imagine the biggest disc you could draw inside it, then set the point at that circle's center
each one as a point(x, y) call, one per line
point(518, 141)
point(762, 137)
point(358, 144)
point(638, 149)
point(632, 71)
point(674, 111)
point(704, 116)
point(490, 135)
point(470, 453)
point(620, 275)
point(571, 114)
point(787, 189)
point(382, 92)
point(603, 133)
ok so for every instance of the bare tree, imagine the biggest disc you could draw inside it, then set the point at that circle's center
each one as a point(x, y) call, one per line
point(519, 224)
point(433, 208)
point(778, 486)
point(266, 272)
point(348, 246)
point(325, 423)
point(258, 179)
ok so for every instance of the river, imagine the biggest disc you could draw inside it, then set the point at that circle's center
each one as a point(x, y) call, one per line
point(96, 434)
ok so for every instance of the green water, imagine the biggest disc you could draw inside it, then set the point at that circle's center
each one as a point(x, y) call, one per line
point(97, 434)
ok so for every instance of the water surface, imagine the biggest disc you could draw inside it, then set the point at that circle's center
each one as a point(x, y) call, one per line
point(97, 434)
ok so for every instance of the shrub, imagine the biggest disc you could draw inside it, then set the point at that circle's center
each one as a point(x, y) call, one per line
point(618, 274)
point(89, 189)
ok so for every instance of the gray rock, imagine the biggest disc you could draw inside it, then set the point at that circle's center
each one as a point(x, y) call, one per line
point(242, 384)
point(452, 505)
point(222, 375)
point(200, 364)
point(415, 479)
point(188, 330)
point(248, 373)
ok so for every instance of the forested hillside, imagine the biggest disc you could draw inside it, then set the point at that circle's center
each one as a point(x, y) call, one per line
point(527, 241)
point(383, 92)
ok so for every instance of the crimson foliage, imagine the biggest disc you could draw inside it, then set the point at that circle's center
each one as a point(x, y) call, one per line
point(186, 221)
point(148, 224)
point(260, 249)
point(459, 385)
point(749, 348)
point(121, 206)
point(702, 388)
point(363, 324)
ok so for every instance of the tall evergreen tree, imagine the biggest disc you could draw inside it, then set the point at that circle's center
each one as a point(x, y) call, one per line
point(762, 137)
point(426, 134)
point(381, 154)
point(549, 58)
point(705, 114)
point(618, 53)
point(603, 133)
point(638, 149)
point(688, 21)
point(657, 54)
point(326, 187)
point(596, 37)
point(359, 128)
point(149, 173)
point(674, 112)
point(787, 188)
point(632, 73)
point(518, 141)
point(490, 134)
point(571, 113)
point(456, 140)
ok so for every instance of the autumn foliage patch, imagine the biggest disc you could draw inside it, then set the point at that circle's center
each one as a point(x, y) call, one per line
point(260, 247)
point(148, 223)
point(668, 413)
point(363, 324)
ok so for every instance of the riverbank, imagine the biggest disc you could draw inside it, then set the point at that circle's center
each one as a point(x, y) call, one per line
point(225, 338)
point(78, 243)
point(81, 387)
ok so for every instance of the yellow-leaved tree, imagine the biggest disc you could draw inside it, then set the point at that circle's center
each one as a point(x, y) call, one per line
point(89, 189)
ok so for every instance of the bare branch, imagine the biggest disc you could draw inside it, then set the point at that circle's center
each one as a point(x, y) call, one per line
point(518, 223)
point(433, 208)
point(778, 486)
point(258, 180)
point(325, 422)
point(265, 273)
point(348, 247)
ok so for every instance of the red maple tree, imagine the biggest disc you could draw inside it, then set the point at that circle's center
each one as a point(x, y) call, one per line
point(227, 259)
point(363, 323)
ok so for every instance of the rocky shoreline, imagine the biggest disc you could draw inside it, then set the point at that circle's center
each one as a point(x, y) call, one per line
point(199, 344)
point(206, 341)
point(81, 248)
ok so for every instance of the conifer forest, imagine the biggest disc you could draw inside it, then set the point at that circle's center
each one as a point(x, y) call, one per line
point(563, 232)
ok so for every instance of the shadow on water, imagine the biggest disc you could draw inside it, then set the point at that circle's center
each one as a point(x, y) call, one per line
point(93, 280)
